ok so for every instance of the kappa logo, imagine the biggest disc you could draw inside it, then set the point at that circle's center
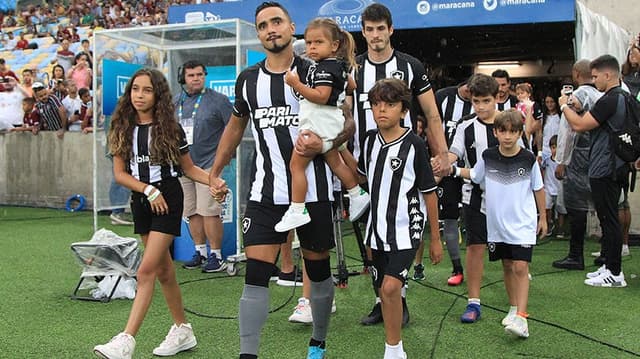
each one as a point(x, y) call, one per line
point(492, 247)
point(246, 224)
point(405, 273)
point(374, 273)
point(490, 5)
point(521, 171)
point(395, 163)
point(397, 74)
point(440, 192)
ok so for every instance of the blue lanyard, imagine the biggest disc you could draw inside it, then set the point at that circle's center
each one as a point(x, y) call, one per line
point(195, 106)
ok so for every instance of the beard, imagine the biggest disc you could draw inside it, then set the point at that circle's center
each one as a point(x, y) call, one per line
point(276, 49)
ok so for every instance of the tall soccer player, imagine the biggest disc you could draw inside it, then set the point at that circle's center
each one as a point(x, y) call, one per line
point(382, 61)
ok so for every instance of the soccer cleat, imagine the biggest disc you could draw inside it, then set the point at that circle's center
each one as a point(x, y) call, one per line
point(179, 339)
point(597, 272)
point(119, 219)
point(607, 279)
point(569, 263)
point(374, 317)
point(214, 264)
point(302, 312)
point(316, 352)
point(292, 220)
point(291, 279)
point(358, 205)
point(471, 314)
point(456, 279)
point(518, 327)
point(119, 347)
point(195, 262)
point(418, 272)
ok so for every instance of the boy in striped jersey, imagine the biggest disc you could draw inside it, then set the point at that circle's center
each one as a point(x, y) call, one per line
point(395, 163)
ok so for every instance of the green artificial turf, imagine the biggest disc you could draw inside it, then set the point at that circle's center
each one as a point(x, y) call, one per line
point(38, 273)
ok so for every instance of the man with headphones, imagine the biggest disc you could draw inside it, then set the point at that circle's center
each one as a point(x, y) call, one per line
point(203, 114)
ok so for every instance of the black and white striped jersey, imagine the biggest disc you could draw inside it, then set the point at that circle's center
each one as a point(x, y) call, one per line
point(452, 108)
point(509, 103)
point(272, 107)
point(400, 66)
point(140, 165)
point(49, 113)
point(398, 174)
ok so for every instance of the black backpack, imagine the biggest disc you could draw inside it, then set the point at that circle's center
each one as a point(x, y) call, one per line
point(626, 140)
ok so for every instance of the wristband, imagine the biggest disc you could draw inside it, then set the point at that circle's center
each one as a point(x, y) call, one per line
point(458, 171)
point(563, 107)
point(152, 197)
point(148, 189)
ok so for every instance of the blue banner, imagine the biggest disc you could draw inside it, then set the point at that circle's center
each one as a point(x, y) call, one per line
point(407, 14)
point(114, 81)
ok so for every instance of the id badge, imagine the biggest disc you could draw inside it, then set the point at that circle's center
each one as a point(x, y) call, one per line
point(187, 126)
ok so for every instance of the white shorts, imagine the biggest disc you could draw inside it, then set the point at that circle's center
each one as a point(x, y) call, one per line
point(325, 121)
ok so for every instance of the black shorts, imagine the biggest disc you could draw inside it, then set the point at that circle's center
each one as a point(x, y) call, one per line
point(258, 226)
point(516, 252)
point(449, 197)
point(394, 264)
point(475, 224)
point(145, 220)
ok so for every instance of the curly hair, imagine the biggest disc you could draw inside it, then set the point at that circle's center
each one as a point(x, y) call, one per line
point(166, 137)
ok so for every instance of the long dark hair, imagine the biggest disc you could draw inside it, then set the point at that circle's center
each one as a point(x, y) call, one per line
point(166, 137)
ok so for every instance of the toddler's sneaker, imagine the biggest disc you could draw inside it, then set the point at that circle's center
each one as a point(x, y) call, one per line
point(316, 352)
point(119, 347)
point(302, 312)
point(518, 327)
point(471, 314)
point(179, 339)
point(292, 219)
point(358, 205)
point(607, 279)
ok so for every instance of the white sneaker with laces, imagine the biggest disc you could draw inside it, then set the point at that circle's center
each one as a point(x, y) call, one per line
point(292, 220)
point(358, 205)
point(179, 339)
point(508, 319)
point(518, 327)
point(597, 272)
point(302, 312)
point(119, 347)
point(607, 279)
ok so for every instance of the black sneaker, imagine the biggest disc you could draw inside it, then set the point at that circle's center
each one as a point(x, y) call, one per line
point(290, 279)
point(195, 262)
point(418, 272)
point(569, 263)
point(374, 317)
point(405, 312)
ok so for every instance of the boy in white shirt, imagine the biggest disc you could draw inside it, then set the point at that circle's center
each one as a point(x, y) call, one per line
point(553, 189)
point(510, 171)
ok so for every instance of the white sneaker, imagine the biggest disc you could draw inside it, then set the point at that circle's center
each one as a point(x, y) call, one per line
point(607, 279)
point(508, 319)
point(292, 220)
point(302, 312)
point(625, 250)
point(358, 205)
point(179, 339)
point(518, 327)
point(597, 272)
point(119, 347)
point(595, 254)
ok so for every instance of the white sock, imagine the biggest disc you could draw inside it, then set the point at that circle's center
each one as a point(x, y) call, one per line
point(202, 248)
point(355, 191)
point(393, 351)
point(403, 291)
point(378, 300)
point(217, 252)
point(297, 207)
point(474, 301)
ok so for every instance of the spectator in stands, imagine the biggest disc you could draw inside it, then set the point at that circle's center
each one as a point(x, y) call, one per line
point(85, 48)
point(11, 41)
point(31, 119)
point(74, 17)
point(86, 110)
point(64, 56)
point(80, 73)
point(5, 74)
point(60, 90)
point(72, 104)
point(57, 73)
point(631, 68)
point(22, 43)
point(27, 81)
point(87, 17)
point(52, 114)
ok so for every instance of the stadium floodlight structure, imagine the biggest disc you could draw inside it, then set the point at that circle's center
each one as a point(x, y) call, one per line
point(226, 47)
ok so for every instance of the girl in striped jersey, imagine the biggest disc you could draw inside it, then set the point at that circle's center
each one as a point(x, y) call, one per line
point(150, 151)
point(324, 92)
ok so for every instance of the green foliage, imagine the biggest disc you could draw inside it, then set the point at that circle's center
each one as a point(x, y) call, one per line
point(38, 320)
